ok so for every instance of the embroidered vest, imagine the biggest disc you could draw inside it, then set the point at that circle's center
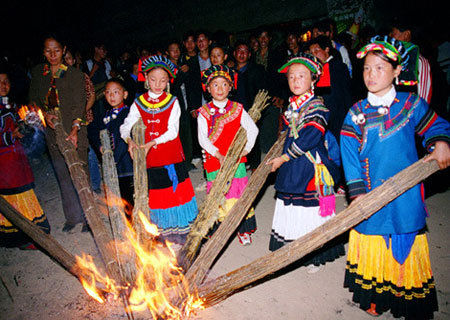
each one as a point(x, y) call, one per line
point(155, 114)
point(221, 130)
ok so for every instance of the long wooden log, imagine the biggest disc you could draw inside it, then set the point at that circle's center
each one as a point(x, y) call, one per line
point(49, 244)
point(222, 287)
point(116, 209)
point(140, 182)
point(44, 240)
point(209, 209)
point(198, 270)
point(101, 235)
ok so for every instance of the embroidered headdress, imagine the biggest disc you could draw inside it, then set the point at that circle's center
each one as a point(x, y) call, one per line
point(308, 60)
point(159, 62)
point(219, 71)
point(405, 53)
point(390, 47)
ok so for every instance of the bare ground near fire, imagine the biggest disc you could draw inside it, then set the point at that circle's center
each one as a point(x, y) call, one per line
point(36, 287)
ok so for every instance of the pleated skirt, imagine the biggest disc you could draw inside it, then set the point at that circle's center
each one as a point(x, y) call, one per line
point(172, 202)
point(374, 276)
point(238, 185)
point(28, 205)
point(290, 222)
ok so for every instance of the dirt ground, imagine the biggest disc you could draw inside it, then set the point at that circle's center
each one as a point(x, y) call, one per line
point(36, 287)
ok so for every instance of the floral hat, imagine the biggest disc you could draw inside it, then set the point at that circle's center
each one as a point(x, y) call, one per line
point(308, 60)
point(219, 71)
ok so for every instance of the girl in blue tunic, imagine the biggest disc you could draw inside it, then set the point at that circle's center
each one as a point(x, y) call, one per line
point(388, 265)
point(306, 173)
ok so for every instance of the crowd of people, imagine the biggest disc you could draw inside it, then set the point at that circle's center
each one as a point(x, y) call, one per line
point(348, 103)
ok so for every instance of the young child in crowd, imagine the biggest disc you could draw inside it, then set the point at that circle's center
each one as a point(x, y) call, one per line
point(306, 174)
point(172, 202)
point(388, 264)
point(111, 118)
point(218, 122)
point(17, 180)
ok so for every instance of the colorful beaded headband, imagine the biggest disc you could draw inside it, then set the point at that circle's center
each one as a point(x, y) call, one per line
point(159, 62)
point(394, 49)
point(219, 71)
point(308, 60)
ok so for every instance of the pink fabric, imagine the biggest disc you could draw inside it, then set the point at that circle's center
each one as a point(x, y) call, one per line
point(237, 187)
point(327, 205)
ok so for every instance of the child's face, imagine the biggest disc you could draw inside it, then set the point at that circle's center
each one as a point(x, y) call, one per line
point(299, 79)
point(5, 85)
point(115, 94)
point(217, 56)
point(174, 52)
point(219, 88)
point(157, 80)
point(379, 74)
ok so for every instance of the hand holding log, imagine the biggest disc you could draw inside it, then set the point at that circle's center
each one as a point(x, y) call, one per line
point(209, 209)
point(220, 288)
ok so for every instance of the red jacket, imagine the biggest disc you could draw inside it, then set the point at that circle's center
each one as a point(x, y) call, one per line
point(15, 172)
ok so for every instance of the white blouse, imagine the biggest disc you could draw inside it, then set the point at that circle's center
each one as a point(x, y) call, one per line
point(172, 125)
point(385, 100)
point(246, 122)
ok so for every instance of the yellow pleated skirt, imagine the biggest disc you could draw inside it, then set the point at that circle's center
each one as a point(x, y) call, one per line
point(374, 276)
point(28, 205)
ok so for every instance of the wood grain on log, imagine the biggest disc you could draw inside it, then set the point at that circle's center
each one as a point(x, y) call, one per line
point(140, 182)
point(101, 234)
point(44, 240)
point(116, 209)
point(198, 270)
point(209, 209)
point(220, 288)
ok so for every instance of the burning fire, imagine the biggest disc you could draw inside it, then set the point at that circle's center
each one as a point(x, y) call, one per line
point(32, 115)
point(159, 284)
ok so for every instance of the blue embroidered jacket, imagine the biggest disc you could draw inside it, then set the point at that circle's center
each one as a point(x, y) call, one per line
point(379, 146)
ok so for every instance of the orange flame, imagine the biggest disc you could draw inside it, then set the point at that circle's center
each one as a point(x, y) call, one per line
point(22, 112)
point(41, 116)
point(25, 111)
point(159, 281)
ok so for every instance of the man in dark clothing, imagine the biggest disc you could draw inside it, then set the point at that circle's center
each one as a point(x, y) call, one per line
point(251, 79)
point(334, 85)
point(271, 59)
point(99, 71)
point(194, 85)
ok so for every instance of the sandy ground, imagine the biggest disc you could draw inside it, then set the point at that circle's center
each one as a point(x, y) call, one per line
point(36, 287)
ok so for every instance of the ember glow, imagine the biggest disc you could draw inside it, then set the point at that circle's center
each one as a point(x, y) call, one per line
point(159, 286)
point(32, 115)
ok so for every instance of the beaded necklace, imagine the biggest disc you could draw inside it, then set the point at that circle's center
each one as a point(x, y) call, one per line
point(296, 110)
point(113, 113)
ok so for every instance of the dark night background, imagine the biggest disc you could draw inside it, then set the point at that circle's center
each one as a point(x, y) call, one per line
point(140, 22)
